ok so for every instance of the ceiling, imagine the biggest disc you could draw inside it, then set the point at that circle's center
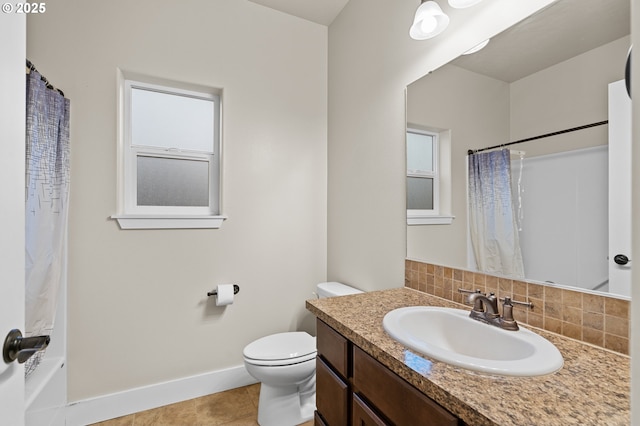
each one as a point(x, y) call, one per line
point(320, 11)
point(561, 31)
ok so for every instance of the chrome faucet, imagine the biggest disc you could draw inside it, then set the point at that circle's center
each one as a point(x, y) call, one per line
point(485, 309)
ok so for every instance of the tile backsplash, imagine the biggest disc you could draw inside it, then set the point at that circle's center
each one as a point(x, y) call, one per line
point(597, 319)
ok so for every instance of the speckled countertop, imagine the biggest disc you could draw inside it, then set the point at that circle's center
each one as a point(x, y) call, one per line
point(591, 389)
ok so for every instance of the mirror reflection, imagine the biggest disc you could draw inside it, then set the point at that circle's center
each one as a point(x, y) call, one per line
point(550, 73)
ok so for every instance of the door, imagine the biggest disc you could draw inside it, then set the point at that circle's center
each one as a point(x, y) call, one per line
point(12, 158)
point(619, 189)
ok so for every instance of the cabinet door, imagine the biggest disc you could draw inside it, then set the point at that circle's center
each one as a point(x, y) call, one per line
point(362, 415)
point(333, 348)
point(400, 402)
point(332, 396)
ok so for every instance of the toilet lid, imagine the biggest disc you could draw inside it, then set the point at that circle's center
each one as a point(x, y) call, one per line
point(281, 346)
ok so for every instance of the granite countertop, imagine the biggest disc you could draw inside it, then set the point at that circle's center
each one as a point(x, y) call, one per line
point(592, 388)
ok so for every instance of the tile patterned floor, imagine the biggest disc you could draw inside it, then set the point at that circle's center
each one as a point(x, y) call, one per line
point(236, 407)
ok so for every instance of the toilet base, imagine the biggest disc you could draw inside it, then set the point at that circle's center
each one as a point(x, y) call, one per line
point(288, 405)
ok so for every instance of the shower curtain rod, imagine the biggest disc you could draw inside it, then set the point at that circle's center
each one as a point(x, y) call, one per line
point(559, 132)
point(31, 67)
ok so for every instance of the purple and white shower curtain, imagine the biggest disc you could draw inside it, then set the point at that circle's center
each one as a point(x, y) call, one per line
point(492, 219)
point(47, 199)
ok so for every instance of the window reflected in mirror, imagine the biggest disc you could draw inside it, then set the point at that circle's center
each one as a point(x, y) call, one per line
point(422, 170)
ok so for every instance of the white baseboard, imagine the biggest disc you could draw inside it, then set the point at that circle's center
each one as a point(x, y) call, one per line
point(131, 401)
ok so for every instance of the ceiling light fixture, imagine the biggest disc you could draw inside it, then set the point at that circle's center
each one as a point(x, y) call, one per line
point(477, 47)
point(429, 21)
point(461, 4)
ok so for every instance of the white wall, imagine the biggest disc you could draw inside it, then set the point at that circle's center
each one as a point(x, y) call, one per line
point(371, 61)
point(569, 94)
point(138, 310)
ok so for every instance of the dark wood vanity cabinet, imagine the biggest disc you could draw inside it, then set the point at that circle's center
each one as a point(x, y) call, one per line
point(352, 388)
point(332, 371)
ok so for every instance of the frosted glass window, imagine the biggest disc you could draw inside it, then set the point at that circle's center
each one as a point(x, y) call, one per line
point(167, 120)
point(419, 193)
point(423, 181)
point(172, 182)
point(420, 152)
point(169, 154)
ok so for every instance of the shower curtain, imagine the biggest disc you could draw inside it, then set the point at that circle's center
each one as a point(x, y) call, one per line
point(47, 195)
point(492, 219)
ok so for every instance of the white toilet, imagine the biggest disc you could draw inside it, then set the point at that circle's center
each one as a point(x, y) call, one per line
point(285, 364)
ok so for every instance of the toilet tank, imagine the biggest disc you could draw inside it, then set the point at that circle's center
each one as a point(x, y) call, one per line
point(331, 289)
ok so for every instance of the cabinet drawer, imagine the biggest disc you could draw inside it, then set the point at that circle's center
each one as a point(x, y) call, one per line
point(332, 396)
point(400, 402)
point(333, 347)
point(363, 415)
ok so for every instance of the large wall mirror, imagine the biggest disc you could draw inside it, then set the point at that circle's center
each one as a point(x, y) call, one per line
point(549, 73)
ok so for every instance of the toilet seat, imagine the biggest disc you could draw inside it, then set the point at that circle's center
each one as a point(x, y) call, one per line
point(281, 349)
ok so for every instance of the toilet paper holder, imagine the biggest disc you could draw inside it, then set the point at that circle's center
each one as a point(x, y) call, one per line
point(236, 289)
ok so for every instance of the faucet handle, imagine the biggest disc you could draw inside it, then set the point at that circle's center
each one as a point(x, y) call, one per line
point(507, 321)
point(464, 290)
point(507, 309)
point(516, 302)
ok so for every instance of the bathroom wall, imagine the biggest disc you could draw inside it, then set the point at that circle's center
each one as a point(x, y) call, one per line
point(559, 99)
point(371, 61)
point(138, 311)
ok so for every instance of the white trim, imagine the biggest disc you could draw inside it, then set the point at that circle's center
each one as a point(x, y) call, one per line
point(131, 401)
point(418, 219)
point(129, 214)
point(168, 222)
point(433, 174)
point(131, 151)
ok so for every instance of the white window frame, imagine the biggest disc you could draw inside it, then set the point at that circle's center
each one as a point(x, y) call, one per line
point(433, 216)
point(133, 216)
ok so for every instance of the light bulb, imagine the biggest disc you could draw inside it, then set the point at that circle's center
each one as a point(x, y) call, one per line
point(428, 24)
point(429, 21)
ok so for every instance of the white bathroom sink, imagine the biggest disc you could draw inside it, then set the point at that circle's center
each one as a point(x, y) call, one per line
point(450, 336)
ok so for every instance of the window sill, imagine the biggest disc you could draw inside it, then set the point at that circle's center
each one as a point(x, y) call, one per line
point(429, 220)
point(169, 222)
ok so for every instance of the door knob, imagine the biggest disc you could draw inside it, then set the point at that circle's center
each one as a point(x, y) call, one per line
point(621, 259)
point(22, 348)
